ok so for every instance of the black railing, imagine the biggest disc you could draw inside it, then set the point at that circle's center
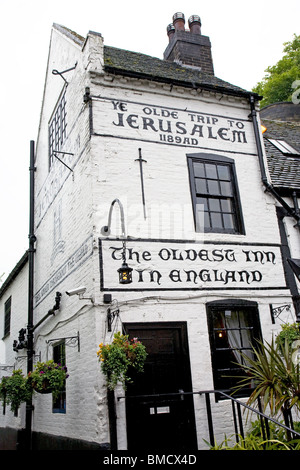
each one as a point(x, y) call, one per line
point(237, 406)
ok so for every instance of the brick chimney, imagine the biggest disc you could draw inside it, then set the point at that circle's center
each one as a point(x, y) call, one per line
point(188, 46)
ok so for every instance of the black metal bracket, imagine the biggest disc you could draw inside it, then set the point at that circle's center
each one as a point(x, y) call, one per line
point(60, 160)
point(36, 356)
point(56, 72)
point(87, 95)
point(22, 343)
point(112, 312)
point(6, 367)
point(275, 312)
point(70, 341)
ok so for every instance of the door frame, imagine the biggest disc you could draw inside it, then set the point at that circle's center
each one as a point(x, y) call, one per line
point(129, 328)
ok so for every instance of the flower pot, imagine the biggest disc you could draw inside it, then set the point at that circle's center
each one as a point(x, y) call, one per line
point(44, 388)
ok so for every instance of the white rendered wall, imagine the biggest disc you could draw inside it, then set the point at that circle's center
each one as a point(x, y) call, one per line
point(72, 207)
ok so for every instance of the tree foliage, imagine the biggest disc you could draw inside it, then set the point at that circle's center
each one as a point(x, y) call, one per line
point(277, 84)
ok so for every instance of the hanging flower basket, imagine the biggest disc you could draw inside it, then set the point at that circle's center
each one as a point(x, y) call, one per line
point(14, 390)
point(48, 377)
point(118, 357)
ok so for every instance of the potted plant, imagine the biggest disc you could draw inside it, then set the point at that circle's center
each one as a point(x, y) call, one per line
point(118, 357)
point(48, 377)
point(290, 333)
point(276, 376)
point(14, 390)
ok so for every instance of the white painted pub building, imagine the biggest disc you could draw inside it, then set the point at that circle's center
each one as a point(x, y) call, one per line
point(170, 158)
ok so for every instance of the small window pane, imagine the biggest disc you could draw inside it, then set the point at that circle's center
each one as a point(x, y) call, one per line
point(216, 220)
point(201, 186)
point(203, 220)
point(214, 205)
point(213, 187)
point(199, 169)
point(201, 203)
point(226, 205)
point(223, 172)
point(211, 171)
point(200, 220)
point(228, 221)
point(207, 223)
point(225, 188)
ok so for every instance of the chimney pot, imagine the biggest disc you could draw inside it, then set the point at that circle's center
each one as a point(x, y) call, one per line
point(195, 24)
point(179, 21)
point(189, 47)
point(170, 31)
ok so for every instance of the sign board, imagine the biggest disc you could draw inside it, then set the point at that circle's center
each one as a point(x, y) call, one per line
point(195, 128)
point(183, 265)
point(79, 257)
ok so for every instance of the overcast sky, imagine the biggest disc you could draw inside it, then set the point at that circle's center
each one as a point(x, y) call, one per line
point(246, 37)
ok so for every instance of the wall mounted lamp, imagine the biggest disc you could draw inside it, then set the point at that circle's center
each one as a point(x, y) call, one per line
point(125, 272)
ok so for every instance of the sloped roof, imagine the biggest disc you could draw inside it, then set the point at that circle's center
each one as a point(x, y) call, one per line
point(133, 64)
point(127, 63)
point(14, 273)
point(284, 169)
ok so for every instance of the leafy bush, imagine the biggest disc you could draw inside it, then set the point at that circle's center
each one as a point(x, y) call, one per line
point(290, 333)
point(255, 439)
point(276, 377)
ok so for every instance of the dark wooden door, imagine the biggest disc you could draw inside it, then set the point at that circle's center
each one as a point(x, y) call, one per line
point(159, 417)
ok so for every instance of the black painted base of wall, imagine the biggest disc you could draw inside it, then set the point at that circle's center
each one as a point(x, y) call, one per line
point(14, 439)
point(9, 438)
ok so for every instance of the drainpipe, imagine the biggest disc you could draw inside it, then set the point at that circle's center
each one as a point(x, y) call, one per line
point(112, 417)
point(30, 327)
point(292, 212)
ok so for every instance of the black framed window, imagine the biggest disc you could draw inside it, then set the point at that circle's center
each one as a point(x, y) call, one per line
point(215, 196)
point(233, 328)
point(59, 356)
point(7, 316)
point(57, 127)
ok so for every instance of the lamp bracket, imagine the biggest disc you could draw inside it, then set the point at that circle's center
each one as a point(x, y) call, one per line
point(127, 279)
point(106, 229)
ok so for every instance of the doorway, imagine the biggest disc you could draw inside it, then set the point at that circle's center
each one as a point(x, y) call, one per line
point(159, 414)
